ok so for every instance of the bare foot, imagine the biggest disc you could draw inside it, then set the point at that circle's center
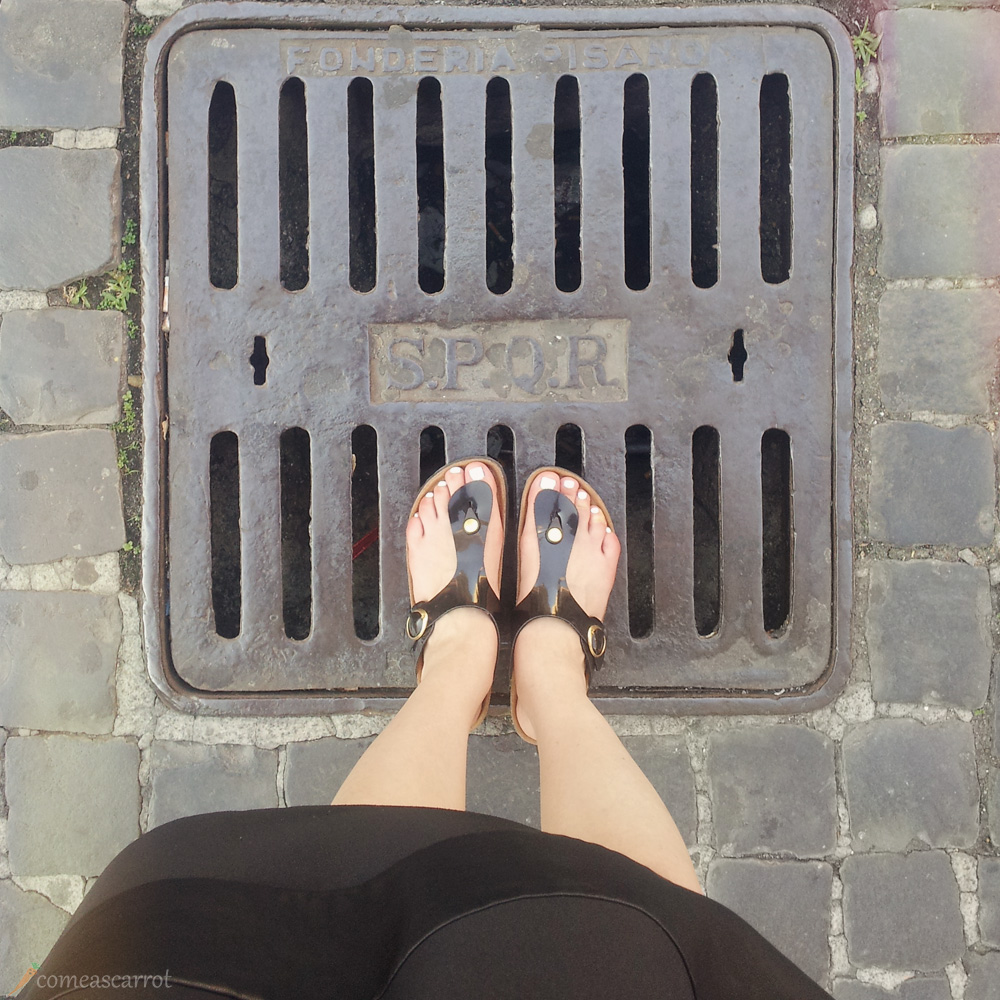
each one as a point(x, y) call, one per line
point(548, 657)
point(463, 644)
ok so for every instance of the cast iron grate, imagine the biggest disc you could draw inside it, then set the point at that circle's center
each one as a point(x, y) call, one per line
point(615, 239)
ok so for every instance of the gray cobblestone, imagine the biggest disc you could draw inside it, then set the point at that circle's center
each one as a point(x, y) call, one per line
point(936, 210)
point(60, 366)
point(926, 988)
point(929, 633)
point(787, 901)
point(937, 349)
point(30, 925)
point(61, 64)
point(852, 989)
point(57, 661)
point(64, 222)
point(60, 495)
point(315, 770)
point(984, 976)
point(191, 778)
point(939, 72)
point(502, 778)
point(907, 782)
point(665, 761)
point(74, 803)
point(879, 889)
point(773, 789)
point(915, 470)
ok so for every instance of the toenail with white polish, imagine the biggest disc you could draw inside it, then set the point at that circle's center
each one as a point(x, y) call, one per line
point(570, 484)
point(455, 471)
point(548, 483)
point(476, 472)
point(442, 483)
point(428, 496)
point(608, 530)
point(595, 510)
point(582, 495)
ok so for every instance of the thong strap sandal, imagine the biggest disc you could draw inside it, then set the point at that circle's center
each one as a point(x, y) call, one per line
point(469, 511)
point(556, 521)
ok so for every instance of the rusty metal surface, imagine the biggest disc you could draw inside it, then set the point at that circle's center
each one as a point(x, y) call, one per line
point(656, 357)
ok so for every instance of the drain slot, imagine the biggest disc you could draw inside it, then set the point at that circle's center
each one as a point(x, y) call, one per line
point(775, 179)
point(567, 182)
point(569, 448)
point(223, 190)
point(224, 512)
point(639, 529)
point(500, 447)
point(704, 180)
point(293, 184)
point(737, 356)
point(499, 193)
point(430, 186)
point(707, 530)
point(296, 543)
point(361, 181)
point(259, 360)
point(776, 508)
point(635, 167)
point(365, 532)
point(432, 453)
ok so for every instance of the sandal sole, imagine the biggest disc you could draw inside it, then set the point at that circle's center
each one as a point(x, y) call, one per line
point(501, 500)
point(595, 501)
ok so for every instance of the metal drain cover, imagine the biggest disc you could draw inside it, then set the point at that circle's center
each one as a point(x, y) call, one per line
point(632, 253)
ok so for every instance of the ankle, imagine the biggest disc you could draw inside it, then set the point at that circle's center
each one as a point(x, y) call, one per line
point(549, 667)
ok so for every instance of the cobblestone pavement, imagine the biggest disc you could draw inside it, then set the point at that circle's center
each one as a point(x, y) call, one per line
point(860, 838)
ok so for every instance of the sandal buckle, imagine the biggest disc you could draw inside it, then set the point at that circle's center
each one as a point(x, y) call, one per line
point(597, 640)
point(417, 618)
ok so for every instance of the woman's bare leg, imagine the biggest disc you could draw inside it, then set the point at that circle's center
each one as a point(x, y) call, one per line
point(419, 759)
point(591, 788)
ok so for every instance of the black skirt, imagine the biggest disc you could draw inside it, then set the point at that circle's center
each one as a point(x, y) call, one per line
point(394, 902)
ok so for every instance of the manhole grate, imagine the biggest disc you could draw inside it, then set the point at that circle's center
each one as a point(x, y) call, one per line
point(620, 239)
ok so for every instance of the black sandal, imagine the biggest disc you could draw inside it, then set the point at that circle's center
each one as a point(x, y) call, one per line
point(470, 509)
point(556, 521)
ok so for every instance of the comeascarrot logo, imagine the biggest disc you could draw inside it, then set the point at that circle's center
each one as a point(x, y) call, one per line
point(63, 981)
point(31, 970)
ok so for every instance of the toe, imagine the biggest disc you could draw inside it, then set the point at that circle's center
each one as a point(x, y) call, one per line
point(569, 487)
point(455, 478)
point(611, 547)
point(582, 502)
point(598, 522)
point(441, 497)
point(426, 509)
point(414, 529)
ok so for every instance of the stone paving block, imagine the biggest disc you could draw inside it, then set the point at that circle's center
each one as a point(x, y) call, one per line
point(786, 901)
point(773, 789)
point(989, 902)
point(60, 495)
point(939, 71)
point(993, 806)
point(852, 989)
point(61, 63)
point(937, 206)
point(937, 350)
point(906, 781)
point(931, 486)
point(29, 926)
point(60, 366)
point(74, 803)
point(984, 976)
point(191, 778)
point(925, 988)
point(666, 763)
point(57, 660)
point(64, 222)
point(929, 633)
point(315, 770)
point(901, 911)
point(502, 778)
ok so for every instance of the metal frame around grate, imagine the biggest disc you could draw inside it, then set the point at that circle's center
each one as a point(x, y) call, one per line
point(797, 334)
